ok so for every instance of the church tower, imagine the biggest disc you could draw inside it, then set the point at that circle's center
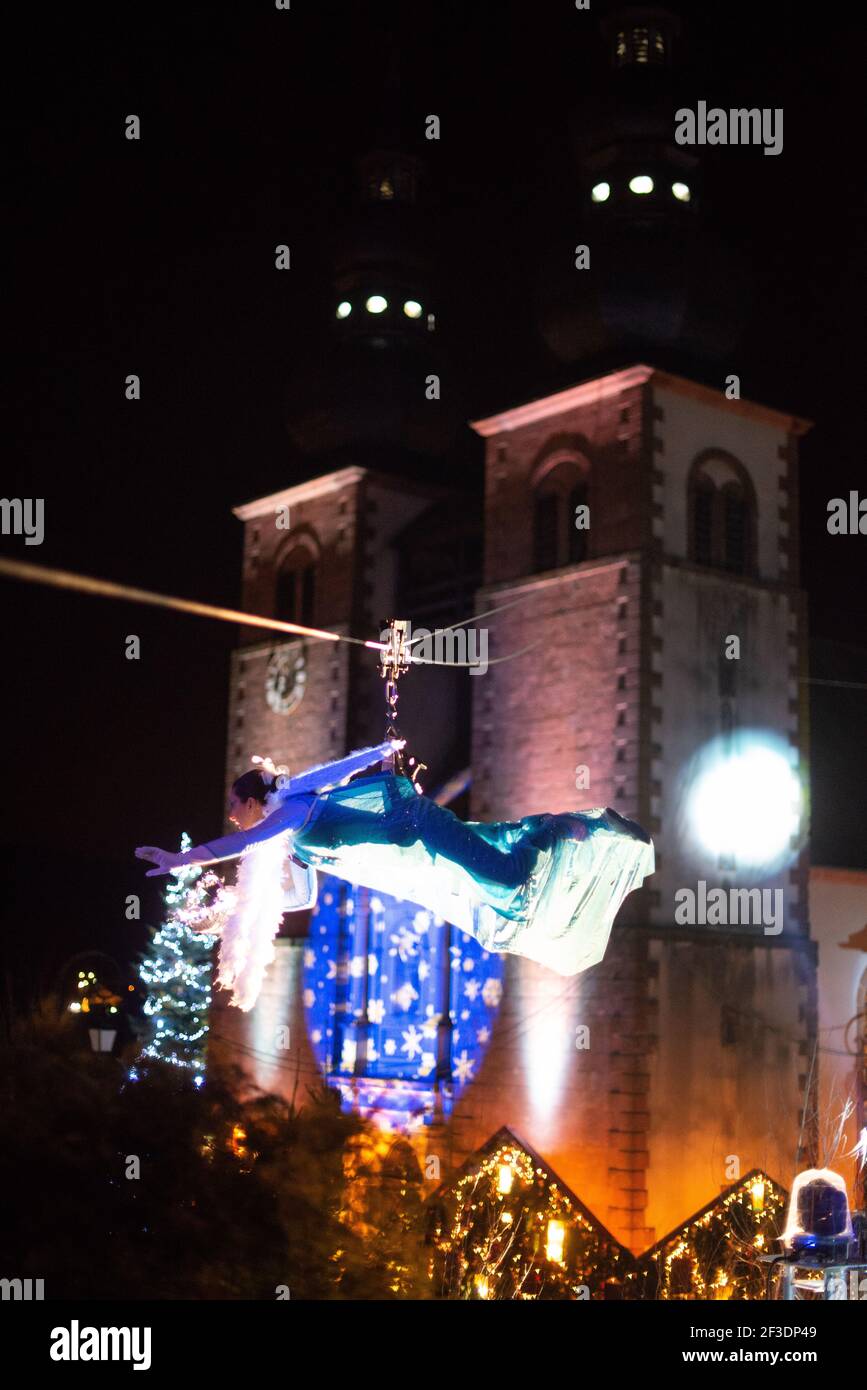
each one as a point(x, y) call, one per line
point(639, 206)
point(638, 522)
point(367, 393)
point(324, 554)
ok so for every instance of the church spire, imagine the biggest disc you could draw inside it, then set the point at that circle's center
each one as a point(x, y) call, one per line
point(638, 210)
point(364, 395)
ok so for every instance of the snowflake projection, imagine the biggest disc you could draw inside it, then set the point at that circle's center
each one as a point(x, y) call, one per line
point(376, 1031)
point(463, 1067)
point(405, 997)
point(492, 991)
point(404, 943)
point(412, 1042)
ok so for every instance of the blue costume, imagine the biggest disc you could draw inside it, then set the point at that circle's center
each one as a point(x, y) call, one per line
point(547, 887)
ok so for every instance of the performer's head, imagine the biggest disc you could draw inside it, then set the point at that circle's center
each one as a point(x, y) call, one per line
point(247, 798)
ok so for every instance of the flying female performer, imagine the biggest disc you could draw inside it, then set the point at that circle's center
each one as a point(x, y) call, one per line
point(547, 887)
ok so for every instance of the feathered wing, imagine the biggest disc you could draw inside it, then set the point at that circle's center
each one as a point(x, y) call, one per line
point(255, 912)
point(269, 883)
point(247, 915)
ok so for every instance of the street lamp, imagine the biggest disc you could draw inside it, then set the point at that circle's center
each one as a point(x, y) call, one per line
point(102, 1039)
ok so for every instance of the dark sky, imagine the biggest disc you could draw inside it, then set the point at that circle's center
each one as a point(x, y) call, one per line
point(157, 258)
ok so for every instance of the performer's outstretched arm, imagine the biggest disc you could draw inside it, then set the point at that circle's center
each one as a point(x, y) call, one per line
point(291, 815)
point(329, 774)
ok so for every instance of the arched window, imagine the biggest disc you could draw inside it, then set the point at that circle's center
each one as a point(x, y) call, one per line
point(735, 523)
point(545, 531)
point(380, 1023)
point(295, 590)
point(722, 514)
point(577, 535)
point(703, 501)
point(558, 495)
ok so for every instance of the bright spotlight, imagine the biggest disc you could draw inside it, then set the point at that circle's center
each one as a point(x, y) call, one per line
point(344, 309)
point(375, 304)
point(642, 183)
point(681, 192)
point(600, 192)
point(745, 800)
point(412, 309)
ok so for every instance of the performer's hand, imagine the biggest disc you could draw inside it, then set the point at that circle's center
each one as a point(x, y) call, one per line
point(397, 742)
point(165, 860)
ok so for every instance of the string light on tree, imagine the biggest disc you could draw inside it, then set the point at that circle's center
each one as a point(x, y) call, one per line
point(176, 970)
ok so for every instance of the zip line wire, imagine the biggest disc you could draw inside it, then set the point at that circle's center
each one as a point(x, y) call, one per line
point(105, 588)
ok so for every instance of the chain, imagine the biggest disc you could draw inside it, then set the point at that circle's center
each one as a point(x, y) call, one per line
point(395, 661)
point(391, 731)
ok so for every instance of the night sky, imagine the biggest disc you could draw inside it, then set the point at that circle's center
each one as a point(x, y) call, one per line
point(157, 257)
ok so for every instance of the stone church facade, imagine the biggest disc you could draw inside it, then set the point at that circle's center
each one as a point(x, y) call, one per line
point(681, 1060)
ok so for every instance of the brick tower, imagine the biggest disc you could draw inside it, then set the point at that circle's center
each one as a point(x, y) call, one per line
point(692, 508)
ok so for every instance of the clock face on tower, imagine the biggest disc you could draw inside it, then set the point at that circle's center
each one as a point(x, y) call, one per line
point(286, 678)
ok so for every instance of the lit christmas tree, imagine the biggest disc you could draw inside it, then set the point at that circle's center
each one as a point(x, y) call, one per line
point(177, 971)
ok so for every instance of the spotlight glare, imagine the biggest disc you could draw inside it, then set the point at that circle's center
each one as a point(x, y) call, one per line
point(601, 192)
point(745, 800)
point(681, 192)
point(375, 304)
point(344, 309)
point(412, 308)
point(642, 183)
